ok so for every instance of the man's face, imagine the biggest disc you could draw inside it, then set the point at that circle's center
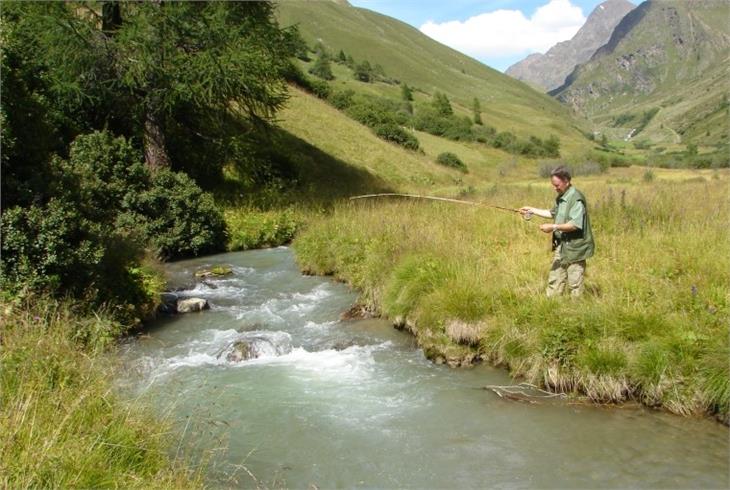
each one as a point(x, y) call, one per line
point(559, 184)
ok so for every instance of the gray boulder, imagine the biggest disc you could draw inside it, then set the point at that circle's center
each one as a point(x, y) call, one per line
point(252, 345)
point(239, 351)
point(190, 305)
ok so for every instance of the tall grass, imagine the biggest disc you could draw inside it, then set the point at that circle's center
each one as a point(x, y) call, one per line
point(469, 282)
point(61, 423)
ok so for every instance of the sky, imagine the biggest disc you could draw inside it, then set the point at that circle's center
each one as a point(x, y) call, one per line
point(496, 32)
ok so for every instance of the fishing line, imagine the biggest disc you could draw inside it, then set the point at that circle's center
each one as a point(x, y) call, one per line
point(527, 216)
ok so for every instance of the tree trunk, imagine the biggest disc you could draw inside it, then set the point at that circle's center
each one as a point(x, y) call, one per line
point(111, 16)
point(155, 151)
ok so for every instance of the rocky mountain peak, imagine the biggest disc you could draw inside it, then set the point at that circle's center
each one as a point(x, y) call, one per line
point(548, 71)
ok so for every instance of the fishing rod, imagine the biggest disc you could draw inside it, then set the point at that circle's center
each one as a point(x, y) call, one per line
point(527, 216)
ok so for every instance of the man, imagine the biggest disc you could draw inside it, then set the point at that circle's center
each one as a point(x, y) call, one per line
point(572, 236)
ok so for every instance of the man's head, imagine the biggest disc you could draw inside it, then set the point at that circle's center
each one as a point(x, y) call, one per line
point(560, 178)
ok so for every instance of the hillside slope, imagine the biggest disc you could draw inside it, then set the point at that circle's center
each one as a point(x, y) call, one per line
point(548, 71)
point(664, 69)
point(338, 156)
point(413, 58)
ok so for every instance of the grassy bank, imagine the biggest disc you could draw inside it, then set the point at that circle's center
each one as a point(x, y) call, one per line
point(469, 282)
point(61, 424)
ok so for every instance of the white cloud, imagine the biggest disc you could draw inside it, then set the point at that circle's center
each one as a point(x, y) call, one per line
point(509, 32)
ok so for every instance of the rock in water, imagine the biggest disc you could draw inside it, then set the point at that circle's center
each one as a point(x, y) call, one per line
point(239, 351)
point(190, 305)
point(217, 271)
point(252, 345)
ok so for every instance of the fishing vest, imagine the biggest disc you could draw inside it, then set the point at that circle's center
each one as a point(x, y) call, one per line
point(575, 245)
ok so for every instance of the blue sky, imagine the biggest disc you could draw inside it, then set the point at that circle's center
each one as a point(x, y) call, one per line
point(496, 32)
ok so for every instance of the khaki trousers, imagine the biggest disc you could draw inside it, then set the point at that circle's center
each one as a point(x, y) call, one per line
point(559, 275)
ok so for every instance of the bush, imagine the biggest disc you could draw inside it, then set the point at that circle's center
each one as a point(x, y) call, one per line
point(429, 121)
point(448, 159)
point(504, 140)
point(321, 68)
point(254, 229)
point(176, 217)
point(319, 88)
point(459, 129)
point(50, 248)
point(396, 134)
point(341, 99)
point(88, 240)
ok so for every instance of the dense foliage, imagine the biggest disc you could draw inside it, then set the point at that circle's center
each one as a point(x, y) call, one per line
point(113, 113)
point(451, 160)
point(105, 208)
point(171, 74)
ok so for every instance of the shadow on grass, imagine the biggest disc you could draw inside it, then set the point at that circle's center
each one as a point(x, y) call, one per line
point(302, 174)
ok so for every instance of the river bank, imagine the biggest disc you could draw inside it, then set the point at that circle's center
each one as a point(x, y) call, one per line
point(469, 284)
point(63, 423)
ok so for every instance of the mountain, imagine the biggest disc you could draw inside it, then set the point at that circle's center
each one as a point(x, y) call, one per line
point(406, 54)
point(548, 71)
point(663, 72)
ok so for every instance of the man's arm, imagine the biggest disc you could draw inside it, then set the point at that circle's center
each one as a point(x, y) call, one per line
point(543, 213)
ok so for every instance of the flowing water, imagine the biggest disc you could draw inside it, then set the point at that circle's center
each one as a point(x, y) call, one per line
point(342, 404)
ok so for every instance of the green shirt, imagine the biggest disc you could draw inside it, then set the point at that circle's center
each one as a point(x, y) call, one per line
point(574, 214)
point(571, 207)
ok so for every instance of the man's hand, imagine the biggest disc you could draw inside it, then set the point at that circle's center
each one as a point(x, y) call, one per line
point(529, 211)
point(547, 228)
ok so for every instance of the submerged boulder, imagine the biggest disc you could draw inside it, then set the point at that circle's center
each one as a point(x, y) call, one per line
point(190, 305)
point(252, 345)
point(239, 351)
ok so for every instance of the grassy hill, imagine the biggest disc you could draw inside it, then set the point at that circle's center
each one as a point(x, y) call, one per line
point(664, 70)
point(413, 58)
point(329, 138)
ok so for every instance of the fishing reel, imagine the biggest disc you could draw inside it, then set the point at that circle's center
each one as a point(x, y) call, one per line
point(527, 216)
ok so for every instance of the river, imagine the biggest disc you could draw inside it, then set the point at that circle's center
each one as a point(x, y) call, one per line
point(355, 404)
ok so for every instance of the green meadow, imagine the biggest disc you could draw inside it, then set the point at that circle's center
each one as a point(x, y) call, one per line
point(469, 283)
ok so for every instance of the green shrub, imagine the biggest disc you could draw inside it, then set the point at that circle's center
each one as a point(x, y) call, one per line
point(321, 68)
point(55, 249)
point(341, 99)
point(100, 172)
point(504, 140)
point(176, 217)
point(319, 88)
point(50, 248)
point(250, 229)
point(363, 72)
point(396, 134)
point(449, 159)
point(459, 129)
point(88, 240)
point(429, 121)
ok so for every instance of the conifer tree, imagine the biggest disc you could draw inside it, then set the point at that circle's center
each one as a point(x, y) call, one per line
point(146, 60)
point(442, 105)
point(322, 68)
point(477, 112)
point(363, 72)
point(406, 92)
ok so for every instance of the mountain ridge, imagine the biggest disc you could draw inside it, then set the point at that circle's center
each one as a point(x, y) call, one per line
point(549, 71)
point(665, 58)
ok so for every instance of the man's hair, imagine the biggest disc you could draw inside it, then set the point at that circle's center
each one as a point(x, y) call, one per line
point(561, 172)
